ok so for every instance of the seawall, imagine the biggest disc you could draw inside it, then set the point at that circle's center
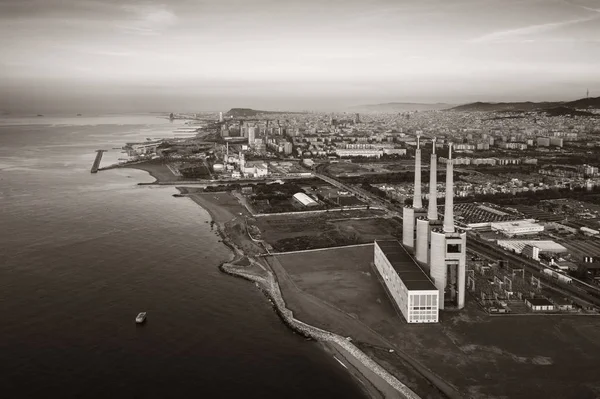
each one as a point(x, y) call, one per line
point(270, 288)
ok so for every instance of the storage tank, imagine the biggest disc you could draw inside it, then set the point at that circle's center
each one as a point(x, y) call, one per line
point(218, 167)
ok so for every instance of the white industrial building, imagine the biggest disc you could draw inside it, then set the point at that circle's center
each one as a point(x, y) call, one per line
point(539, 304)
point(366, 152)
point(305, 199)
point(413, 291)
point(517, 227)
point(544, 246)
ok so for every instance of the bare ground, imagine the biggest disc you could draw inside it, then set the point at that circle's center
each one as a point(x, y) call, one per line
point(481, 356)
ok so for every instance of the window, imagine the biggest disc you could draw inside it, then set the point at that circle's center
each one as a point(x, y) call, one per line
point(453, 248)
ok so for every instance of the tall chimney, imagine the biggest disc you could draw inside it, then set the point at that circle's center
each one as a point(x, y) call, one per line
point(449, 207)
point(417, 200)
point(432, 213)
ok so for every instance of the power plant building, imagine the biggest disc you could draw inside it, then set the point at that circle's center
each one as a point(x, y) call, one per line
point(411, 289)
point(439, 247)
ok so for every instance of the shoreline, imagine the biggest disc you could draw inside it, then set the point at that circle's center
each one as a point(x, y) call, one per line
point(373, 380)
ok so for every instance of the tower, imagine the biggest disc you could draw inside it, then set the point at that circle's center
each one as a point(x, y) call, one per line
point(424, 225)
point(251, 135)
point(411, 213)
point(448, 256)
point(242, 162)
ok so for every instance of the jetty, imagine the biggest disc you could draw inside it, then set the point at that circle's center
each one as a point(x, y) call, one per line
point(96, 164)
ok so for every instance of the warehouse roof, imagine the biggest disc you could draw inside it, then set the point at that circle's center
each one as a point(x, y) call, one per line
point(408, 270)
point(304, 199)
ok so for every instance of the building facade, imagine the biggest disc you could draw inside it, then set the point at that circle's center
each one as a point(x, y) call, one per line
point(413, 292)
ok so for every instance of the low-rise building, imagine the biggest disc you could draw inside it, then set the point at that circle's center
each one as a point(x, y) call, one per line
point(517, 227)
point(539, 304)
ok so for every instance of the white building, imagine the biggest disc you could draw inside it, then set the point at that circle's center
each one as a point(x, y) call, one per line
point(305, 199)
point(370, 153)
point(251, 135)
point(517, 227)
point(410, 287)
point(539, 304)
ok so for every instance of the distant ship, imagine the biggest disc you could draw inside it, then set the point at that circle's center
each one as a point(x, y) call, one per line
point(40, 115)
point(140, 318)
point(78, 114)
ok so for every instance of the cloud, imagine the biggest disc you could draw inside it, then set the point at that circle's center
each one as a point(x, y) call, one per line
point(583, 7)
point(148, 19)
point(511, 34)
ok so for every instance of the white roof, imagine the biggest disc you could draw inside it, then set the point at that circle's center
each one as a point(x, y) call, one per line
point(304, 199)
point(544, 246)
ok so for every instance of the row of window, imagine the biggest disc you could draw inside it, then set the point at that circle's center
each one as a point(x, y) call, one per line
point(423, 300)
point(423, 318)
point(423, 308)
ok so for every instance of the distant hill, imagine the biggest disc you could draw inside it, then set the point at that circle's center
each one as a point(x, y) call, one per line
point(399, 107)
point(500, 107)
point(566, 111)
point(248, 112)
point(585, 103)
point(528, 106)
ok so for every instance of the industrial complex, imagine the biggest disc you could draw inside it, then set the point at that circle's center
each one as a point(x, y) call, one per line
point(439, 248)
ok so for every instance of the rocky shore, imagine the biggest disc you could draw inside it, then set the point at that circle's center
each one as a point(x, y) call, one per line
point(376, 381)
point(271, 289)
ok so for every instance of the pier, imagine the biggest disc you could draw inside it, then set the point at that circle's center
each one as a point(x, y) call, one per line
point(96, 164)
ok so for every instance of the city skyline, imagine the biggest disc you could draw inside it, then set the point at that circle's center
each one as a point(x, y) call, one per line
point(188, 55)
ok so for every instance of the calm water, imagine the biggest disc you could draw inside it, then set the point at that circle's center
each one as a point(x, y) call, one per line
point(82, 254)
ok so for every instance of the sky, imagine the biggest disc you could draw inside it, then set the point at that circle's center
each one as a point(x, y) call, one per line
point(200, 55)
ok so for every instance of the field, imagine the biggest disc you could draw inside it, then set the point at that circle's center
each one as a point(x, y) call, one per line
point(348, 168)
point(335, 228)
point(480, 356)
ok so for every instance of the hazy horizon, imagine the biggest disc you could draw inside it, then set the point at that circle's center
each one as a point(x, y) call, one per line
point(191, 56)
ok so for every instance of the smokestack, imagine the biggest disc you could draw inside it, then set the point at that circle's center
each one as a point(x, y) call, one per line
point(449, 207)
point(417, 201)
point(432, 213)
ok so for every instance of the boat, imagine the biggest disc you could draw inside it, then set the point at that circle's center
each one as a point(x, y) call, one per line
point(141, 318)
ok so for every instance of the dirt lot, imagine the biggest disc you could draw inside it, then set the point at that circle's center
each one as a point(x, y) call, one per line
point(223, 207)
point(481, 356)
point(157, 169)
point(292, 233)
point(344, 167)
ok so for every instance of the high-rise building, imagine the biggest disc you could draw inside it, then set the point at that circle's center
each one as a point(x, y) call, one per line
point(411, 213)
point(251, 135)
point(448, 253)
point(356, 118)
point(220, 117)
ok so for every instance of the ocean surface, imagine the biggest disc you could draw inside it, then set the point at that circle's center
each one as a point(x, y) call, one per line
point(82, 254)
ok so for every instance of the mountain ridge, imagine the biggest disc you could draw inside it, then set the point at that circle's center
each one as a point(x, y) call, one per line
point(528, 106)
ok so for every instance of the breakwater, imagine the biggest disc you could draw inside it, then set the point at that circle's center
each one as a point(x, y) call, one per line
point(96, 164)
point(270, 288)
